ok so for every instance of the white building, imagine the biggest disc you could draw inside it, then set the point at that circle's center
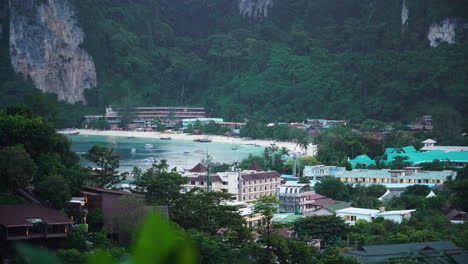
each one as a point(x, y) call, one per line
point(295, 198)
point(246, 186)
point(317, 172)
point(430, 144)
point(352, 214)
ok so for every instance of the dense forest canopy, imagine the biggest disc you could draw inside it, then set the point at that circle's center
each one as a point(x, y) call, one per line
point(350, 59)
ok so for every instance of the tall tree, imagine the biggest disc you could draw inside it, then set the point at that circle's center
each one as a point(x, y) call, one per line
point(16, 168)
point(107, 162)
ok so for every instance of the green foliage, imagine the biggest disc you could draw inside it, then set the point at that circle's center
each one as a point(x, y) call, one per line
point(273, 158)
point(259, 130)
point(160, 186)
point(207, 212)
point(107, 162)
point(328, 228)
point(95, 219)
point(55, 190)
point(77, 239)
point(16, 168)
point(333, 188)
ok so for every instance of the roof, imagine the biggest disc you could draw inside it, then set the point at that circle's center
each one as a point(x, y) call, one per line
point(108, 191)
point(354, 210)
point(286, 217)
point(17, 215)
point(323, 202)
point(445, 148)
point(362, 159)
point(198, 168)
point(336, 206)
point(316, 196)
point(429, 141)
point(260, 175)
point(380, 253)
point(396, 212)
point(255, 167)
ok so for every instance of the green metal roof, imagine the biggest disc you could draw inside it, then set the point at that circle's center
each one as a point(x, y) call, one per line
point(361, 159)
point(285, 217)
point(337, 206)
point(421, 157)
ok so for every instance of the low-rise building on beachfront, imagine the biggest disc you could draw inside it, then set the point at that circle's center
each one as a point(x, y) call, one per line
point(406, 176)
point(352, 214)
point(295, 198)
point(187, 122)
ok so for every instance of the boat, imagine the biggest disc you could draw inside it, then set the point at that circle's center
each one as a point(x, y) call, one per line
point(133, 151)
point(234, 148)
point(149, 146)
point(149, 160)
point(202, 140)
point(165, 138)
point(114, 142)
point(74, 133)
point(130, 137)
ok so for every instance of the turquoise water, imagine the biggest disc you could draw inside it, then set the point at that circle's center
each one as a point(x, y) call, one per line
point(178, 153)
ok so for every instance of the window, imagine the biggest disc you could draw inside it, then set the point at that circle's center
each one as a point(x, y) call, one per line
point(353, 218)
point(347, 217)
point(192, 182)
point(202, 183)
point(255, 181)
point(255, 189)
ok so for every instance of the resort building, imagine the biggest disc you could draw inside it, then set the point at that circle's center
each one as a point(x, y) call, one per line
point(246, 186)
point(295, 198)
point(317, 172)
point(352, 214)
point(191, 121)
point(32, 221)
point(407, 176)
point(430, 145)
point(144, 116)
point(457, 156)
point(255, 184)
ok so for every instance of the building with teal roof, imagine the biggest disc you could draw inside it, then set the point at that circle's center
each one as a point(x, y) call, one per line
point(361, 160)
point(458, 158)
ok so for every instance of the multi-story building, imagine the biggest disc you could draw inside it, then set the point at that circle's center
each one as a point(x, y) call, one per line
point(317, 172)
point(408, 175)
point(255, 184)
point(295, 198)
point(142, 115)
point(246, 186)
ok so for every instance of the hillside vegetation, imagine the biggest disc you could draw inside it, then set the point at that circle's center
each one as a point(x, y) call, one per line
point(309, 58)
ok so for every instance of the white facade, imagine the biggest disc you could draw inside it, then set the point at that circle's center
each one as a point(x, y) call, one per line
point(352, 214)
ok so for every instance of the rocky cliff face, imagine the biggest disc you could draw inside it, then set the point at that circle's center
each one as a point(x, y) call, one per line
point(256, 9)
point(45, 46)
point(443, 31)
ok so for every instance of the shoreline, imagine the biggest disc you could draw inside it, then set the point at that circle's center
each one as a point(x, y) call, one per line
point(291, 146)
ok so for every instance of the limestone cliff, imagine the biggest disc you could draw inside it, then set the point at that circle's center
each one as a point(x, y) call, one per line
point(45, 46)
point(444, 31)
point(256, 9)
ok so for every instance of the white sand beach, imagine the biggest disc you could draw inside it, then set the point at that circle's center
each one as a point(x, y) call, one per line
point(291, 146)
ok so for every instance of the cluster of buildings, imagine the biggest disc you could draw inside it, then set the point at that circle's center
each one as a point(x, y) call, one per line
point(147, 118)
point(404, 177)
point(457, 156)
